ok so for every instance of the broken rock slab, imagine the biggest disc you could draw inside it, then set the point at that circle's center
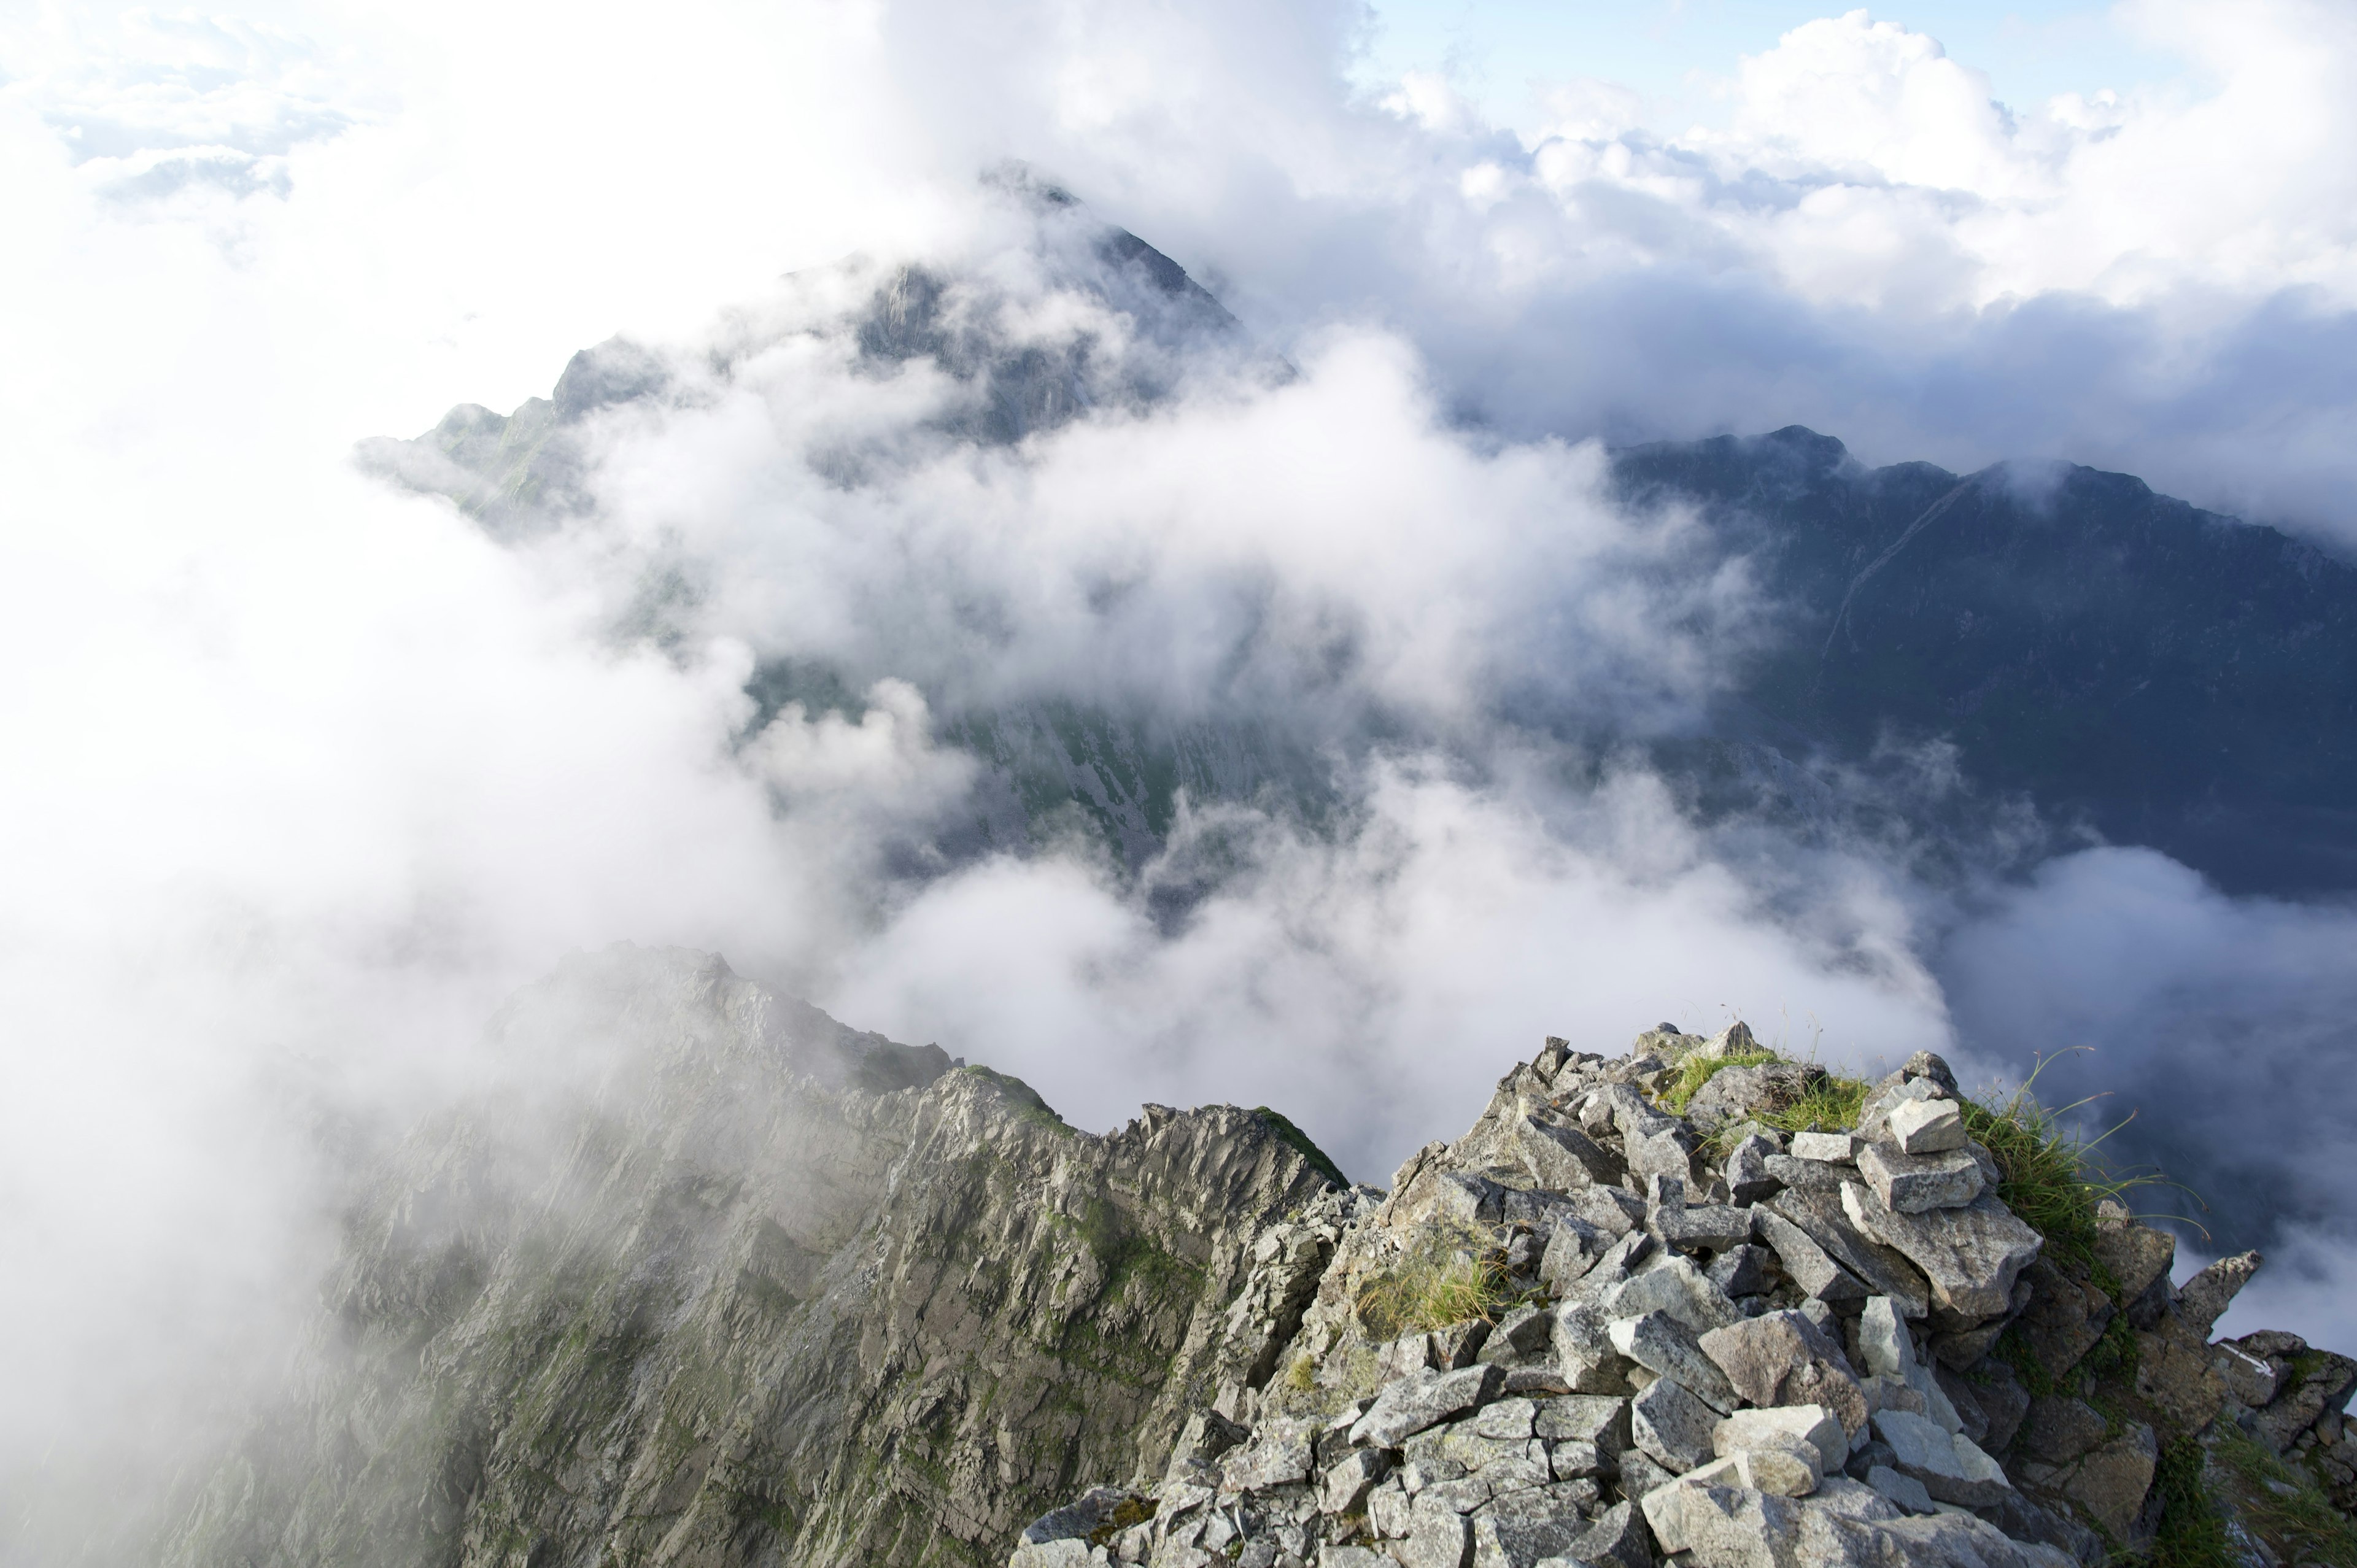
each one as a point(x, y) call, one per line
point(1783, 1358)
point(1666, 1347)
point(1414, 1404)
point(1912, 1184)
point(1672, 1426)
point(1971, 1255)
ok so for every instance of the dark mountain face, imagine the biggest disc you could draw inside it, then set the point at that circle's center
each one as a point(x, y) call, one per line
point(2163, 674)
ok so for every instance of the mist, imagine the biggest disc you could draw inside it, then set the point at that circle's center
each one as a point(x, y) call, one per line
point(308, 771)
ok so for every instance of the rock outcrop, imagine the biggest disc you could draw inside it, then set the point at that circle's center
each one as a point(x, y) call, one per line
point(735, 1284)
point(1592, 1332)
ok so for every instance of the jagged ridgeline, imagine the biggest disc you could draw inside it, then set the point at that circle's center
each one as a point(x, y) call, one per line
point(2119, 660)
point(741, 1286)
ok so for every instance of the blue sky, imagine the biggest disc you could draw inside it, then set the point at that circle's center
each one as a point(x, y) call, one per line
point(1671, 51)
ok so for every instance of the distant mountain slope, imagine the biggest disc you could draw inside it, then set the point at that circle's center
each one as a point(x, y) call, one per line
point(2177, 678)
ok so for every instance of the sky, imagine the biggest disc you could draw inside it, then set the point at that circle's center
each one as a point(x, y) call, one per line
point(307, 772)
point(1678, 55)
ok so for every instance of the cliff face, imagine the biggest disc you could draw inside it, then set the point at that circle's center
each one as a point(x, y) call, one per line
point(752, 1289)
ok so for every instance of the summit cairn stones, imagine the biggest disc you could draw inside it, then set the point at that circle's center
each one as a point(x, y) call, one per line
point(1782, 1362)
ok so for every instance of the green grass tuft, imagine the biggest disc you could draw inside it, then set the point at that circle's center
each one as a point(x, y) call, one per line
point(2284, 1505)
point(2192, 1533)
point(1447, 1279)
point(2047, 1174)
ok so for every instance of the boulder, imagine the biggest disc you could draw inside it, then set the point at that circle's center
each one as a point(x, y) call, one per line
point(1562, 1159)
point(1952, 1469)
point(1927, 1126)
point(1521, 1528)
point(1905, 1490)
point(1573, 1247)
point(1889, 1352)
point(1825, 1148)
point(2064, 1319)
point(2173, 1372)
point(1743, 1270)
point(1971, 1255)
point(1673, 1285)
point(1583, 1356)
point(1811, 1423)
point(1436, 1538)
point(2138, 1256)
point(1912, 1184)
point(1882, 1268)
point(2317, 1385)
point(1345, 1486)
point(1668, 1423)
point(1804, 1262)
point(1667, 1347)
point(1669, 1152)
point(1746, 1170)
point(1276, 1460)
point(1783, 1358)
point(1736, 1093)
point(1076, 1521)
point(1414, 1404)
point(2111, 1481)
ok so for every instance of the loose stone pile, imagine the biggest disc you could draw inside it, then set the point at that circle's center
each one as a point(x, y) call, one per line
point(1699, 1339)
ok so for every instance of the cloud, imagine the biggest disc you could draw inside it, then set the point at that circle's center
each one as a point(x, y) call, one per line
point(304, 774)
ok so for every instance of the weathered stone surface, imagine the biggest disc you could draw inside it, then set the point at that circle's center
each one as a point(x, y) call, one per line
point(1345, 1486)
point(2173, 1372)
point(1971, 1255)
point(1826, 1148)
point(1669, 1152)
point(1672, 1426)
point(1783, 1358)
point(2113, 1479)
point(2137, 1255)
point(1563, 1158)
point(1663, 1345)
point(1952, 1469)
point(1889, 1351)
point(1911, 1184)
point(1412, 1404)
point(1714, 1227)
point(2203, 1299)
point(1437, 1538)
point(1883, 1270)
point(1572, 1249)
point(1746, 1171)
point(1806, 1264)
point(1905, 1490)
point(1673, 1285)
point(1927, 1126)
point(1584, 1355)
point(1744, 1270)
point(2319, 1384)
point(1522, 1335)
point(1279, 1459)
point(1616, 1539)
point(1811, 1423)
point(2064, 1319)
point(1521, 1528)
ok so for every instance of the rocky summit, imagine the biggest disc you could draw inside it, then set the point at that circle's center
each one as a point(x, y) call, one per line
point(733, 1283)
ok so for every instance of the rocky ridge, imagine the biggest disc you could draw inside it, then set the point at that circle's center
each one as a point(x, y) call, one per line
point(1593, 1331)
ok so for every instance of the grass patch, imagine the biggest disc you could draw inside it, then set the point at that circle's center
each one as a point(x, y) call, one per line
point(2193, 1531)
point(2046, 1175)
point(2284, 1505)
point(1301, 1143)
point(1697, 1069)
point(1446, 1279)
point(1830, 1104)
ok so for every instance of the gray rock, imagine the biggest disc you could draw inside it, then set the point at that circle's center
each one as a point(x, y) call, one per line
point(2203, 1299)
point(1813, 1424)
point(1061, 1553)
point(1825, 1148)
point(1353, 1557)
point(1736, 1093)
point(1912, 1184)
point(1889, 1351)
point(1971, 1255)
point(1619, 1263)
point(2139, 1255)
point(1711, 1226)
point(1273, 1461)
point(1618, 1538)
point(1522, 1335)
point(2253, 1380)
point(1905, 1490)
point(1460, 1344)
point(1585, 1356)
point(1874, 1115)
point(1390, 1512)
point(1612, 1210)
point(1519, 1529)
point(1563, 1159)
point(1671, 1426)
point(1436, 1538)
point(1804, 1262)
point(1663, 1345)
point(1883, 1270)
point(1927, 1126)
point(1953, 1469)
point(1571, 1250)
point(1345, 1487)
point(1781, 1359)
point(1746, 1170)
point(2111, 1481)
point(2062, 1319)
point(1587, 1433)
point(1675, 1286)
point(1412, 1404)
point(1743, 1270)
point(1668, 1151)
point(1077, 1520)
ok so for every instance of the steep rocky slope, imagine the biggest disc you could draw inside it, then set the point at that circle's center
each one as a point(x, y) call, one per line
point(749, 1287)
point(1594, 1332)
